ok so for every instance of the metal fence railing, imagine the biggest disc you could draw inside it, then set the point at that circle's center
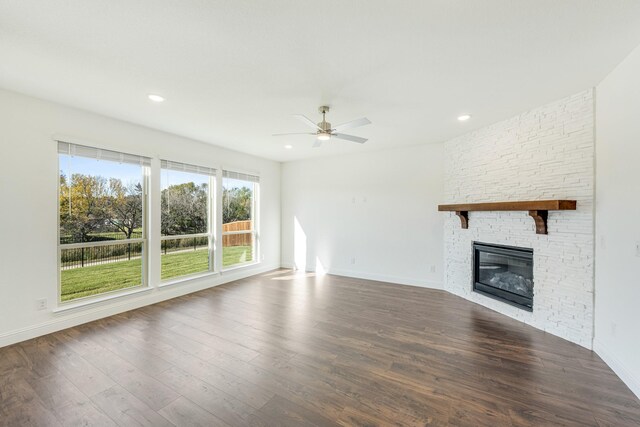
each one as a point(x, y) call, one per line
point(96, 249)
point(85, 256)
point(179, 244)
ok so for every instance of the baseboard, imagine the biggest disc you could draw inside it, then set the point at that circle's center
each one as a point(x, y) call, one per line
point(409, 281)
point(288, 265)
point(109, 308)
point(618, 367)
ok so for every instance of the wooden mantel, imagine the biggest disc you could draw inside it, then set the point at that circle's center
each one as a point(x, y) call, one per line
point(538, 209)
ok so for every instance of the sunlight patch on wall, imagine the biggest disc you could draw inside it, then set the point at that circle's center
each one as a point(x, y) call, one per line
point(299, 246)
point(320, 270)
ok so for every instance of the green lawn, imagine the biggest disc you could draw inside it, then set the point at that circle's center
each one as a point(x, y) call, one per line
point(184, 263)
point(97, 279)
point(236, 254)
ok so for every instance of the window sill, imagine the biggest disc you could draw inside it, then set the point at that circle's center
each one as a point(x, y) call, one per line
point(186, 279)
point(71, 306)
point(240, 266)
point(77, 305)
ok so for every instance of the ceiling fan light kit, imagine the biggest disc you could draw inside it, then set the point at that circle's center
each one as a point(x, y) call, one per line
point(324, 131)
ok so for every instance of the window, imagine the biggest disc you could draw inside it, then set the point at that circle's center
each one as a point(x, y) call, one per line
point(102, 221)
point(186, 220)
point(239, 194)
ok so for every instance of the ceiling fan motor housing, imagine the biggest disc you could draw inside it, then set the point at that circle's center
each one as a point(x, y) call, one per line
point(325, 126)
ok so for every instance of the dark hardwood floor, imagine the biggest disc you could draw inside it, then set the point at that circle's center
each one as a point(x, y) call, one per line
point(284, 349)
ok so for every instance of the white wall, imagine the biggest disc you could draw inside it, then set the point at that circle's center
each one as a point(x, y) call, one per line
point(617, 325)
point(371, 215)
point(28, 211)
point(545, 153)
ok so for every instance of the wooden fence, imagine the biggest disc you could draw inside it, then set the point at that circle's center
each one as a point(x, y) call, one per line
point(244, 239)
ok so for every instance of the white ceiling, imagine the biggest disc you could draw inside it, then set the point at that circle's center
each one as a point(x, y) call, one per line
point(233, 71)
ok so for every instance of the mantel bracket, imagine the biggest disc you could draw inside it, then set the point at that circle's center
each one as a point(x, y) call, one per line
point(540, 217)
point(464, 218)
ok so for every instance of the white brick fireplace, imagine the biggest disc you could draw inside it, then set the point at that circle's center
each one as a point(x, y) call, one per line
point(546, 153)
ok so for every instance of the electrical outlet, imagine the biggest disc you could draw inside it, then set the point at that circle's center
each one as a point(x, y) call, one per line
point(614, 325)
point(638, 249)
point(353, 260)
point(41, 304)
point(433, 268)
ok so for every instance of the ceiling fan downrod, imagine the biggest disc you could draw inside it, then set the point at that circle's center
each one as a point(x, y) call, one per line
point(324, 124)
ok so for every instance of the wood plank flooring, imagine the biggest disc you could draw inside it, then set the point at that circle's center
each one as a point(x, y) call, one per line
point(285, 349)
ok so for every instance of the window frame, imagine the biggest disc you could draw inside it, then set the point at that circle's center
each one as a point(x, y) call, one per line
point(144, 240)
point(210, 234)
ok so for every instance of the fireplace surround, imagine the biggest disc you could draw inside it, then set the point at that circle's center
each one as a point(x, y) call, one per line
point(504, 273)
point(542, 154)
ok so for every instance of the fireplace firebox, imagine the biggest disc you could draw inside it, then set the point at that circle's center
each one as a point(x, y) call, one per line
point(504, 273)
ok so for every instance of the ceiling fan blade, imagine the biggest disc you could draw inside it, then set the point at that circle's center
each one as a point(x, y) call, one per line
point(296, 133)
point(306, 120)
point(351, 138)
point(352, 124)
point(317, 144)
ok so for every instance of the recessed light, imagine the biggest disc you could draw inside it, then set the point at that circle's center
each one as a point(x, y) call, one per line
point(156, 98)
point(464, 117)
point(288, 147)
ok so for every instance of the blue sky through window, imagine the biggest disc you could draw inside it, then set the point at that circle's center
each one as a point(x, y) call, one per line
point(236, 183)
point(171, 177)
point(128, 173)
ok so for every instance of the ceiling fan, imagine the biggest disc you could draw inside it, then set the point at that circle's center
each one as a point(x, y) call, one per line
point(324, 132)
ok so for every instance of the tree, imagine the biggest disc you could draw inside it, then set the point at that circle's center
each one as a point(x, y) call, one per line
point(90, 204)
point(236, 204)
point(82, 205)
point(184, 209)
point(124, 206)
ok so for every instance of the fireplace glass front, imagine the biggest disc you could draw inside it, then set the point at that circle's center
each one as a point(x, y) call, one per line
point(504, 273)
